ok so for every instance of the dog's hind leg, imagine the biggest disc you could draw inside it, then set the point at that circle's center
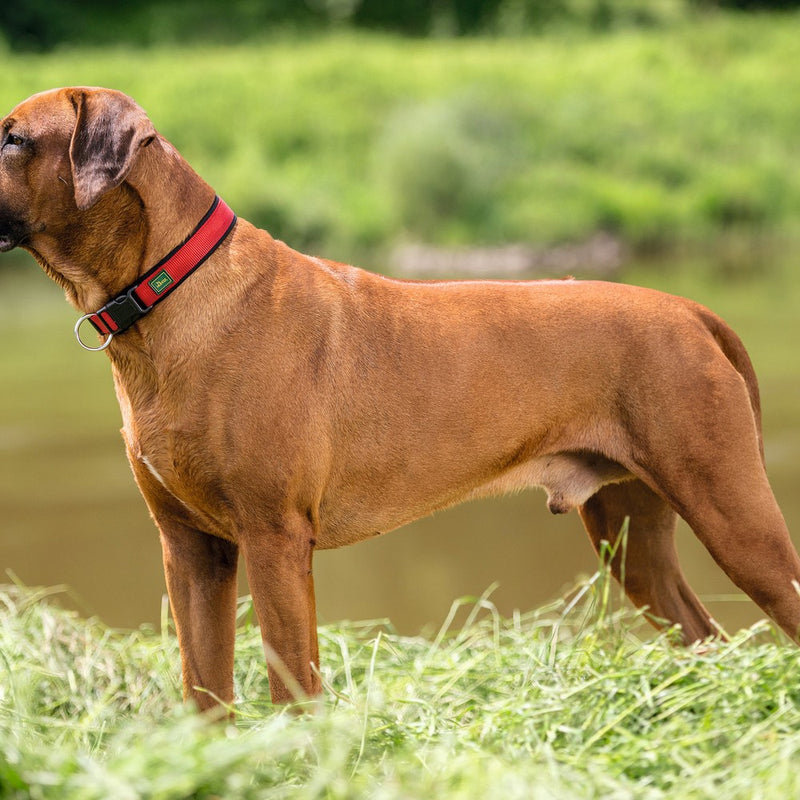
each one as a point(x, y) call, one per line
point(712, 473)
point(647, 566)
point(278, 560)
point(740, 524)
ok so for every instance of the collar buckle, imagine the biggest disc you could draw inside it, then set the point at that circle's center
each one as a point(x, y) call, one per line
point(124, 310)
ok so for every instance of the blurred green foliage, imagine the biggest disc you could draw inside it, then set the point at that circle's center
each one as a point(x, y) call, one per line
point(45, 24)
point(345, 143)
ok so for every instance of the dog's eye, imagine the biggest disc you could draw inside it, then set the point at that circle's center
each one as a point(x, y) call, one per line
point(12, 140)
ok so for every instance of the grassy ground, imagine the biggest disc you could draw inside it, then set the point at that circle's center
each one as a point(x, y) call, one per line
point(342, 144)
point(564, 702)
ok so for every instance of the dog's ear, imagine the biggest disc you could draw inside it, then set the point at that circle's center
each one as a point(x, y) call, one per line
point(109, 131)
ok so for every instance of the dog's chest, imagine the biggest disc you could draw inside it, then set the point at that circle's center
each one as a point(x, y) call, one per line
point(154, 465)
point(193, 503)
point(166, 476)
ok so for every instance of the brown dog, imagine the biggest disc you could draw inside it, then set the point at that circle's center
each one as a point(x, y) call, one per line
point(277, 403)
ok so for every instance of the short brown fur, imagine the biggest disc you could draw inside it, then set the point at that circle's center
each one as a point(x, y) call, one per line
point(278, 403)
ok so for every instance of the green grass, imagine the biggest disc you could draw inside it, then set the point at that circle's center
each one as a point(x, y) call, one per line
point(565, 702)
point(344, 144)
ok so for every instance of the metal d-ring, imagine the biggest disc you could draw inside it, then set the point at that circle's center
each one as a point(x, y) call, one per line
point(83, 344)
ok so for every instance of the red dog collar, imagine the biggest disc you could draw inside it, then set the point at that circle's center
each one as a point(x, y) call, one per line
point(120, 313)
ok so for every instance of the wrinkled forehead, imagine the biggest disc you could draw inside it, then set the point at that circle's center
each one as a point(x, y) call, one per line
point(48, 112)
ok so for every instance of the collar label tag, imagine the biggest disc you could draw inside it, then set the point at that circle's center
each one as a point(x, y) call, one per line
point(159, 282)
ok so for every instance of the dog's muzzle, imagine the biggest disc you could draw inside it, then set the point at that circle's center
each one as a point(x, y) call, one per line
point(12, 233)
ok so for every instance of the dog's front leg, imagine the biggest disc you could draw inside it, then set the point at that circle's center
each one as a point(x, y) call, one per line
point(278, 560)
point(201, 581)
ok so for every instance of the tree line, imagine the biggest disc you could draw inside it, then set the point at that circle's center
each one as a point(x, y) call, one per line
point(46, 24)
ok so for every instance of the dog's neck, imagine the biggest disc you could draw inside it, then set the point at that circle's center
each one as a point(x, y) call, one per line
point(173, 196)
point(127, 231)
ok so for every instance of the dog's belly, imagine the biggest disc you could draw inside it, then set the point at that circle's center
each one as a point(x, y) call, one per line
point(569, 479)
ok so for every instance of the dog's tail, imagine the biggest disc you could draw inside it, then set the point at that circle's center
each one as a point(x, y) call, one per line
point(734, 350)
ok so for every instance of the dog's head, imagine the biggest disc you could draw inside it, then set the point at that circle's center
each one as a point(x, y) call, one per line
point(60, 152)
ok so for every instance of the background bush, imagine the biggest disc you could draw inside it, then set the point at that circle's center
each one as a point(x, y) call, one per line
point(345, 145)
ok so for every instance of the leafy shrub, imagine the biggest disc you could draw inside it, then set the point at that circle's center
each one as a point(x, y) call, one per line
point(445, 163)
